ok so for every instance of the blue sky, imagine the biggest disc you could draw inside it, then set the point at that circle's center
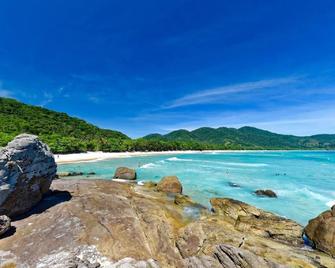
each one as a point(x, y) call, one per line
point(155, 66)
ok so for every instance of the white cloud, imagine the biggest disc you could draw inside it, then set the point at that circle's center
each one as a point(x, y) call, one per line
point(48, 98)
point(215, 94)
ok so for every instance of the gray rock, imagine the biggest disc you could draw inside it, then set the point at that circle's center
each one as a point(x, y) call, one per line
point(4, 224)
point(124, 173)
point(90, 257)
point(232, 257)
point(27, 168)
point(200, 262)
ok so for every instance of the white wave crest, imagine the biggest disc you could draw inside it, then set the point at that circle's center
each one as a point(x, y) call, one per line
point(179, 159)
point(149, 165)
point(330, 203)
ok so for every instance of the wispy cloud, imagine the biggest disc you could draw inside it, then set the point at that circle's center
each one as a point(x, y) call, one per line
point(48, 98)
point(216, 94)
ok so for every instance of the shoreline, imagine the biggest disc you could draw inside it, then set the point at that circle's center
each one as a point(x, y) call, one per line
point(100, 156)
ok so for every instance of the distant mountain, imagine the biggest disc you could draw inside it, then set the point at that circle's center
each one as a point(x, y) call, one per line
point(247, 138)
point(66, 134)
point(61, 131)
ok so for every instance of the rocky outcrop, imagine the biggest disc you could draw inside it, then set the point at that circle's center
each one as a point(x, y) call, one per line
point(170, 184)
point(89, 257)
point(266, 193)
point(232, 257)
point(27, 168)
point(321, 231)
point(247, 218)
point(113, 224)
point(4, 224)
point(124, 173)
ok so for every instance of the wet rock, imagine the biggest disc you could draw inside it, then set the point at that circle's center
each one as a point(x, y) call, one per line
point(124, 173)
point(266, 193)
point(248, 218)
point(321, 231)
point(170, 184)
point(4, 224)
point(232, 257)
point(27, 168)
point(184, 200)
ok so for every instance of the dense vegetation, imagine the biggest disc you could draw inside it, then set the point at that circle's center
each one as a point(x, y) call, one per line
point(65, 134)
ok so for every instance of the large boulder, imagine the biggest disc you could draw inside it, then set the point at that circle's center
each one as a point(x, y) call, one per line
point(321, 231)
point(247, 218)
point(124, 173)
point(170, 184)
point(4, 224)
point(27, 168)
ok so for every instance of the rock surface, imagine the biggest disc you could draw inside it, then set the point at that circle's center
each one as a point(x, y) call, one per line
point(247, 218)
point(232, 257)
point(27, 168)
point(170, 184)
point(114, 224)
point(4, 224)
point(124, 173)
point(266, 193)
point(321, 231)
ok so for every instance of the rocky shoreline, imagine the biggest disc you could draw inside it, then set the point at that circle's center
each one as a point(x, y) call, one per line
point(100, 223)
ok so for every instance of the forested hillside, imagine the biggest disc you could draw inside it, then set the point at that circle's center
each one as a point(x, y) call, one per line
point(66, 134)
point(247, 138)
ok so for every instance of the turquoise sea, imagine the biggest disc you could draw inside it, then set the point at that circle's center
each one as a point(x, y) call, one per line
point(303, 180)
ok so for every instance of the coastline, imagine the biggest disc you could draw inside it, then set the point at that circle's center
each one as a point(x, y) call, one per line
point(99, 156)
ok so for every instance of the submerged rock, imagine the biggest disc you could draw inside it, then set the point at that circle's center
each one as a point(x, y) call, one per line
point(267, 193)
point(170, 184)
point(69, 174)
point(233, 184)
point(4, 224)
point(27, 168)
point(124, 173)
point(321, 231)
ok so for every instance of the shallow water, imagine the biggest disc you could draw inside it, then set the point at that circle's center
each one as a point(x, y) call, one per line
point(304, 181)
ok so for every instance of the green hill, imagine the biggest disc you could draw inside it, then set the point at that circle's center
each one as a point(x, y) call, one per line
point(66, 134)
point(62, 132)
point(246, 138)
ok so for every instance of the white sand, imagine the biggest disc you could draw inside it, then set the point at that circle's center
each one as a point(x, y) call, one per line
point(96, 156)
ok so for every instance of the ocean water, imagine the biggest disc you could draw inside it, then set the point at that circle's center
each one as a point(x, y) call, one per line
point(303, 180)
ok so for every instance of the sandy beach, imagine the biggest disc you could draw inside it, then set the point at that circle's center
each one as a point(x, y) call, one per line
point(96, 156)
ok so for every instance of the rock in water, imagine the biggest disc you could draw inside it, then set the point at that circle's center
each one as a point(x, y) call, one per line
point(27, 168)
point(267, 193)
point(124, 173)
point(321, 231)
point(4, 224)
point(170, 184)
